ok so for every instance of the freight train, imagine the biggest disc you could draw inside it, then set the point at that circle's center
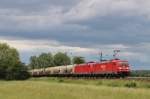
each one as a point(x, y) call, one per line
point(109, 68)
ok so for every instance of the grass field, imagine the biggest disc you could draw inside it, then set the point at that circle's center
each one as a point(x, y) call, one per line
point(53, 88)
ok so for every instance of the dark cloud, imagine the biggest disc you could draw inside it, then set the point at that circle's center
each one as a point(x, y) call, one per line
point(105, 30)
point(34, 4)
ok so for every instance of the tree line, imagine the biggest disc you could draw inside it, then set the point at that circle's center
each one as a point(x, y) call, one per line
point(11, 67)
point(45, 60)
point(140, 73)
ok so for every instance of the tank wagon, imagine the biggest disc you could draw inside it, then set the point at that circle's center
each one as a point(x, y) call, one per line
point(110, 68)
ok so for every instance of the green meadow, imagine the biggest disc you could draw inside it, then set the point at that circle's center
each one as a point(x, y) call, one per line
point(56, 88)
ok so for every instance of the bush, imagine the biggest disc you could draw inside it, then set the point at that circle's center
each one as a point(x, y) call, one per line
point(18, 72)
point(60, 80)
point(131, 85)
point(99, 83)
point(113, 84)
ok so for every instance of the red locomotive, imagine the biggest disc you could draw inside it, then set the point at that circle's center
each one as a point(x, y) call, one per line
point(109, 68)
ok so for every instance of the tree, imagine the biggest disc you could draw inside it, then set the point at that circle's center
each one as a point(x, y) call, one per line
point(61, 59)
point(78, 60)
point(33, 62)
point(9, 60)
point(42, 61)
point(46, 60)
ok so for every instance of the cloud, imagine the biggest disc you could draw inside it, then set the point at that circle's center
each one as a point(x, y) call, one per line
point(84, 27)
point(87, 9)
point(28, 48)
point(32, 45)
point(83, 20)
point(137, 55)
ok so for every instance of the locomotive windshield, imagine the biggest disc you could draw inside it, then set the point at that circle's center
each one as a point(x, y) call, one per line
point(123, 63)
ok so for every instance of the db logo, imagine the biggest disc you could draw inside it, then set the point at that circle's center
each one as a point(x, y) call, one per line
point(103, 67)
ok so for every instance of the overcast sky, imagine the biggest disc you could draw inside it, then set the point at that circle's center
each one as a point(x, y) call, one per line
point(79, 27)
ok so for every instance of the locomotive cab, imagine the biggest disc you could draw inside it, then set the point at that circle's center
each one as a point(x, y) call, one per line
point(123, 68)
point(124, 65)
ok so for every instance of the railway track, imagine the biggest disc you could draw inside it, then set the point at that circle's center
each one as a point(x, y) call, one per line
point(100, 78)
point(147, 79)
point(138, 78)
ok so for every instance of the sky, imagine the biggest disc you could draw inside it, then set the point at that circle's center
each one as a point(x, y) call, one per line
point(78, 27)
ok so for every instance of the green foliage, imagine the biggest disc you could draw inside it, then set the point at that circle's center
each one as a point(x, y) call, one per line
point(131, 85)
point(18, 72)
point(60, 80)
point(33, 62)
point(140, 73)
point(48, 60)
point(61, 59)
point(10, 65)
point(42, 61)
point(78, 60)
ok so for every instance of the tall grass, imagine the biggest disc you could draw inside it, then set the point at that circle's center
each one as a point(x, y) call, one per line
point(101, 82)
point(54, 88)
